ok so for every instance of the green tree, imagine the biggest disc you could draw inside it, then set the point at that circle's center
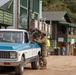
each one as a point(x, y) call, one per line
point(61, 5)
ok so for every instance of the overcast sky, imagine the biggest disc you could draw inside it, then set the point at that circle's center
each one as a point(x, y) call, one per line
point(3, 2)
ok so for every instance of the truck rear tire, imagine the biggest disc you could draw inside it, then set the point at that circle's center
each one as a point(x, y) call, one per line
point(35, 64)
point(20, 68)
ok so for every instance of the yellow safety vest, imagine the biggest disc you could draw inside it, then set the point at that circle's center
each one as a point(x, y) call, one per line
point(48, 42)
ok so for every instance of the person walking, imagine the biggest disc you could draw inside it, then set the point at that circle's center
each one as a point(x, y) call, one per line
point(64, 49)
point(42, 42)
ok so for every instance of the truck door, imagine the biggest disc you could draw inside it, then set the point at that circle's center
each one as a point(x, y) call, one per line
point(36, 49)
point(28, 51)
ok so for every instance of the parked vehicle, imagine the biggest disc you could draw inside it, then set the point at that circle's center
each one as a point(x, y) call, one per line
point(16, 50)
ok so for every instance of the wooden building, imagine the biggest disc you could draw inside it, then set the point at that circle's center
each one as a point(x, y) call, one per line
point(17, 11)
point(63, 31)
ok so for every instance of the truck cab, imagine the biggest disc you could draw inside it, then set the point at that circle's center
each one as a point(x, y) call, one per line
point(17, 50)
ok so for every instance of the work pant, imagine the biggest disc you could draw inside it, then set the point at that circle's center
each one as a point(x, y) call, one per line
point(48, 51)
point(43, 61)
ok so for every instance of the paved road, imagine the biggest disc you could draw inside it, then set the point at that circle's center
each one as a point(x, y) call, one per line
point(57, 65)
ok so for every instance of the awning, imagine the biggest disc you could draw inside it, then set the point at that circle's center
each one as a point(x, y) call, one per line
point(67, 24)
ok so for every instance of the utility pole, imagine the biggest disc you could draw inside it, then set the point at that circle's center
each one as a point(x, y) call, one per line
point(15, 14)
point(28, 21)
point(40, 12)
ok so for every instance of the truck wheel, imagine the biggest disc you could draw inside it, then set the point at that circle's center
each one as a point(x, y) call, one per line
point(20, 68)
point(35, 64)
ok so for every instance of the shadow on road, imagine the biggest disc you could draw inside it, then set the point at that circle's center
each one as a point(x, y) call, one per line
point(10, 70)
point(7, 71)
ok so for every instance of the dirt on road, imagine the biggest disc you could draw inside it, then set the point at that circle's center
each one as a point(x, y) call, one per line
point(57, 65)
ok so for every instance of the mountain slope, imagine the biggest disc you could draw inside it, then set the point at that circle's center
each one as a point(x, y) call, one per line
point(61, 5)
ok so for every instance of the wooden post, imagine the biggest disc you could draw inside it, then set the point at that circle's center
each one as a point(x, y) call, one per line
point(28, 16)
point(18, 13)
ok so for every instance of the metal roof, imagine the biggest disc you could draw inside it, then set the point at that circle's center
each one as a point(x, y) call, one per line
point(67, 24)
point(5, 6)
point(56, 16)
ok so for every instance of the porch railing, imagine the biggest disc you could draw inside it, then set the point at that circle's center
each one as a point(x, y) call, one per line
point(6, 18)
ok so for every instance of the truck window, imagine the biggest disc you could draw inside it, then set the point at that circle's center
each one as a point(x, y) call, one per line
point(8, 36)
point(26, 38)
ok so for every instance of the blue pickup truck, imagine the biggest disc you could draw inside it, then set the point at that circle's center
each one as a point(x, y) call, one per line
point(16, 50)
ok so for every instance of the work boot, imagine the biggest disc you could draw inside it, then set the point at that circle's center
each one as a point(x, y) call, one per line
point(42, 68)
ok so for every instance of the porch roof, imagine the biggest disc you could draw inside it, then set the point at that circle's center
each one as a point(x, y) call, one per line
point(67, 24)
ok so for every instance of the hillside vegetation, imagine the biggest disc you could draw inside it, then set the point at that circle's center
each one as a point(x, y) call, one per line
point(61, 5)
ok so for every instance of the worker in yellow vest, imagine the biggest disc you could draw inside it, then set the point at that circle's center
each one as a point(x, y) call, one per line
point(48, 46)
